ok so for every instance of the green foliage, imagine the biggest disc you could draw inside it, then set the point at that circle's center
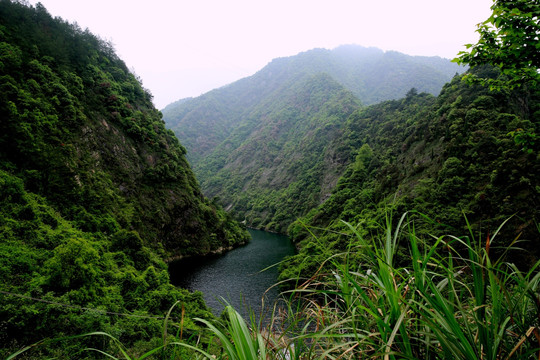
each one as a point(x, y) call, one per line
point(509, 41)
point(444, 156)
point(273, 146)
point(95, 192)
point(267, 171)
point(63, 281)
point(236, 339)
point(60, 280)
point(447, 298)
point(80, 130)
point(444, 297)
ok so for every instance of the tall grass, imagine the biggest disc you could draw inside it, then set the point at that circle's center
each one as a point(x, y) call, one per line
point(444, 297)
point(447, 300)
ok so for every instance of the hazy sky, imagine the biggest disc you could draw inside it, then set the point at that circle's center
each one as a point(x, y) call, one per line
point(185, 48)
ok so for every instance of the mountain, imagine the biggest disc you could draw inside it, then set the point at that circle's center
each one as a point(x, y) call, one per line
point(450, 158)
point(371, 74)
point(282, 161)
point(269, 139)
point(95, 191)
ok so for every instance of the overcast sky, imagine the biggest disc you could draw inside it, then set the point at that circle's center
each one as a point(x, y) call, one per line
point(185, 48)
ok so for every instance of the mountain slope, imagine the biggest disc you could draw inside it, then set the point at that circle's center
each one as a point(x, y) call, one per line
point(372, 75)
point(281, 162)
point(228, 130)
point(95, 191)
point(446, 157)
point(81, 131)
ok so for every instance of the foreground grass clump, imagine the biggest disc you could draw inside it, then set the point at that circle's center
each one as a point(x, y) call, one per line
point(448, 297)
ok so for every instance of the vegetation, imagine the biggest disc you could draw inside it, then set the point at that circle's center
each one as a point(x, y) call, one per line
point(272, 175)
point(95, 192)
point(59, 280)
point(272, 145)
point(442, 297)
point(449, 299)
point(443, 157)
point(508, 40)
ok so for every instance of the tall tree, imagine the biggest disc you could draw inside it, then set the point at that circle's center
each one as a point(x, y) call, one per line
point(509, 40)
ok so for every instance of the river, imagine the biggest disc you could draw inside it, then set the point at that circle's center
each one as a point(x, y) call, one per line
point(237, 275)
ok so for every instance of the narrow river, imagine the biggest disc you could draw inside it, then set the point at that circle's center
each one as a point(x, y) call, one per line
point(236, 276)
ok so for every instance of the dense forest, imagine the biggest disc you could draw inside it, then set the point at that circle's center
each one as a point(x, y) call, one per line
point(270, 146)
point(288, 162)
point(369, 73)
point(449, 157)
point(96, 193)
point(411, 193)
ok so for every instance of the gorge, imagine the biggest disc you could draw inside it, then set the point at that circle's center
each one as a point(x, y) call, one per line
point(408, 188)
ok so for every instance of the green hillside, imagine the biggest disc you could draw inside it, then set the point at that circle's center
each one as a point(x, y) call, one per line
point(269, 146)
point(412, 196)
point(95, 192)
point(448, 157)
point(371, 74)
point(282, 161)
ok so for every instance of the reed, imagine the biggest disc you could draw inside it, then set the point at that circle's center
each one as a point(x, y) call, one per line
point(450, 300)
point(448, 297)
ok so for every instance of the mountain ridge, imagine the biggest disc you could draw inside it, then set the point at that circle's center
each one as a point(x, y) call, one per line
point(217, 125)
point(448, 158)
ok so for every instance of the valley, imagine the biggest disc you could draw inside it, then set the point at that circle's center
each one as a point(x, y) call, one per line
point(273, 145)
point(392, 200)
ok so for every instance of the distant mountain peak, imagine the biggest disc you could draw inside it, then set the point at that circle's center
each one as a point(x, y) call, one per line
point(256, 134)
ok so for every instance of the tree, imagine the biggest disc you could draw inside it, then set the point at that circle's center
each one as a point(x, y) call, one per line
point(509, 40)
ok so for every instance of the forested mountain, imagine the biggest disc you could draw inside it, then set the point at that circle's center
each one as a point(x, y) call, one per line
point(284, 159)
point(266, 145)
point(94, 191)
point(450, 157)
point(371, 74)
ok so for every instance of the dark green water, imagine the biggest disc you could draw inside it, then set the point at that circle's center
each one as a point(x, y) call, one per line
point(236, 276)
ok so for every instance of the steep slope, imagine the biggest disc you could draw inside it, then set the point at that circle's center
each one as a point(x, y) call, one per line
point(446, 157)
point(247, 127)
point(372, 75)
point(81, 131)
point(95, 191)
point(283, 160)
